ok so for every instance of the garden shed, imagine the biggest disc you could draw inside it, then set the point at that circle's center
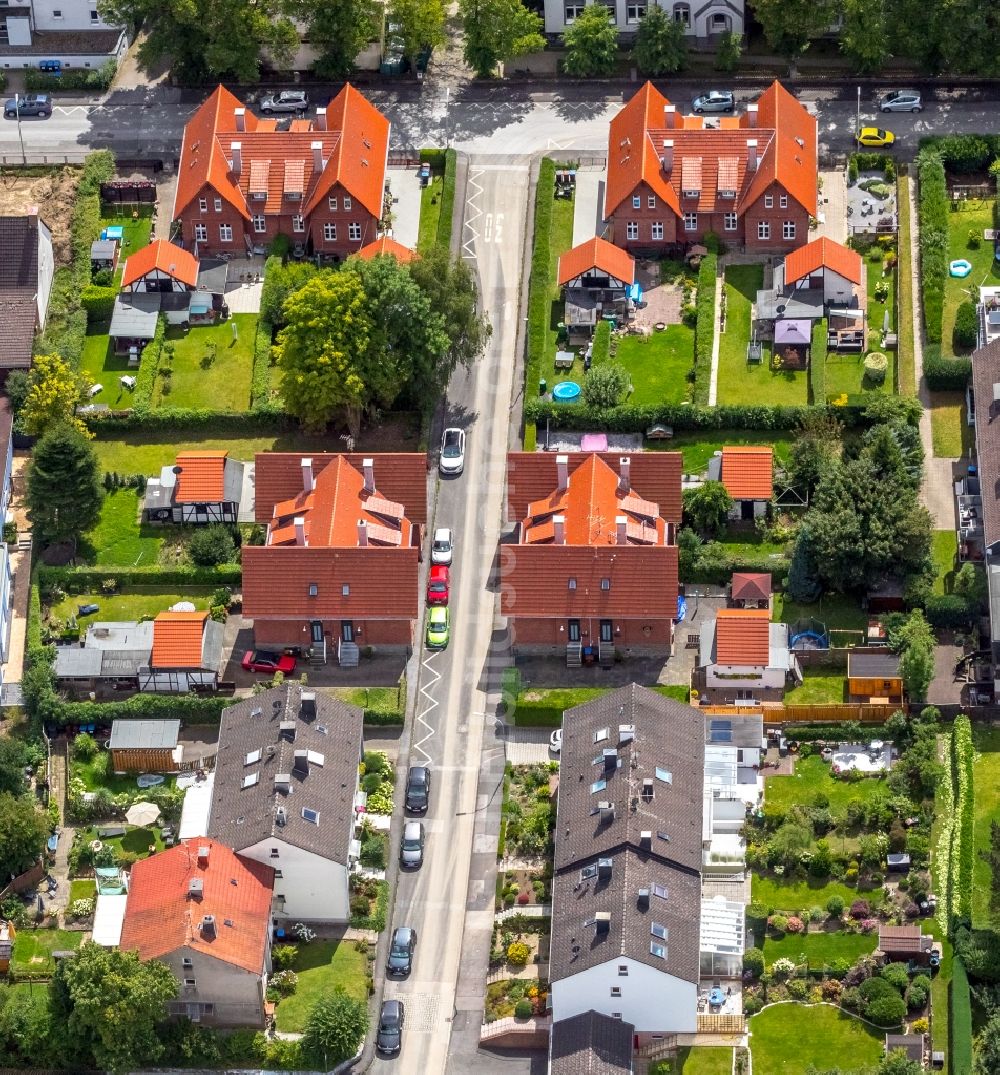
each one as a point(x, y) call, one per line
point(145, 746)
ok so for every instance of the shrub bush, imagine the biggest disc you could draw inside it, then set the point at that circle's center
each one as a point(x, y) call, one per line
point(752, 1004)
point(950, 610)
point(966, 330)
point(795, 924)
point(964, 153)
point(524, 1009)
point(212, 545)
point(373, 852)
point(946, 374)
point(96, 80)
point(704, 332)
point(896, 975)
point(260, 381)
point(602, 344)
point(283, 956)
point(518, 954)
point(835, 905)
point(876, 364)
point(753, 962)
point(860, 909)
point(887, 1011)
point(84, 747)
point(933, 214)
point(99, 302)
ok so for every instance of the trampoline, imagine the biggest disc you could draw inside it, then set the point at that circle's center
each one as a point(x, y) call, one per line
point(808, 634)
point(960, 268)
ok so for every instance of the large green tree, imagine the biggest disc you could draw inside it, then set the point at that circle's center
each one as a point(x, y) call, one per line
point(419, 25)
point(334, 1028)
point(916, 660)
point(866, 34)
point(497, 31)
point(111, 1003)
point(64, 496)
point(790, 25)
point(54, 390)
point(987, 1047)
point(14, 756)
point(338, 30)
point(591, 43)
point(660, 43)
point(707, 507)
point(22, 834)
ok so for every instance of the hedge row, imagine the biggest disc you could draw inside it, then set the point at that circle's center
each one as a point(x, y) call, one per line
point(946, 374)
point(540, 284)
point(149, 364)
point(960, 1010)
point(188, 708)
point(263, 420)
point(836, 731)
point(436, 158)
point(933, 213)
point(817, 363)
point(383, 717)
point(950, 610)
point(260, 381)
point(98, 302)
point(963, 836)
point(704, 333)
point(448, 198)
point(964, 152)
point(95, 79)
point(90, 578)
point(905, 373)
point(602, 344)
point(714, 565)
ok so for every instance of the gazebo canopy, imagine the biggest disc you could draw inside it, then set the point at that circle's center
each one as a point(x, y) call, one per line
point(793, 332)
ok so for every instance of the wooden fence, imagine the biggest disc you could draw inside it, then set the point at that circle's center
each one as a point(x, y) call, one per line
point(778, 713)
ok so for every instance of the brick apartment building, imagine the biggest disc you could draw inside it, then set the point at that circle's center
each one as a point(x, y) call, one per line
point(593, 561)
point(749, 179)
point(241, 181)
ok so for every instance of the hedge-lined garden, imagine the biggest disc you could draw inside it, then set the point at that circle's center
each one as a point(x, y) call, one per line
point(933, 213)
point(905, 274)
point(817, 364)
point(704, 334)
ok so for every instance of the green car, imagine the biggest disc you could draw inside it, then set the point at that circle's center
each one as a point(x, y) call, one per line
point(438, 627)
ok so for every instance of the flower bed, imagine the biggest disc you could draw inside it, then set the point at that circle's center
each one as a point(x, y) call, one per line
point(503, 997)
point(529, 813)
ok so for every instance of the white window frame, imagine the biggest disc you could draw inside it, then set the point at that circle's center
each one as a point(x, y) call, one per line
point(260, 224)
point(332, 203)
point(329, 232)
point(225, 233)
point(788, 230)
point(782, 201)
point(768, 201)
point(298, 224)
point(571, 12)
point(729, 222)
point(354, 231)
point(763, 229)
point(203, 205)
point(650, 201)
point(682, 14)
point(631, 229)
point(348, 204)
point(690, 221)
point(218, 205)
point(635, 13)
point(656, 231)
point(636, 201)
point(201, 233)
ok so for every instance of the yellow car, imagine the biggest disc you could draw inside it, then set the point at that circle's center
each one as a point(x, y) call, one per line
point(875, 137)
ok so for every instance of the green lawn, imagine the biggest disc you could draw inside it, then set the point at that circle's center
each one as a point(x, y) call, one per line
point(118, 538)
point(430, 212)
point(786, 1040)
point(698, 1060)
point(33, 948)
point(944, 550)
point(793, 896)
point(940, 989)
point(102, 366)
point(951, 434)
point(210, 367)
point(136, 603)
point(812, 776)
point(820, 685)
point(984, 267)
point(321, 967)
point(659, 365)
point(750, 543)
point(82, 888)
point(544, 708)
point(560, 240)
point(97, 773)
point(136, 232)
point(836, 611)
point(986, 781)
point(697, 446)
point(138, 841)
point(737, 381)
point(820, 948)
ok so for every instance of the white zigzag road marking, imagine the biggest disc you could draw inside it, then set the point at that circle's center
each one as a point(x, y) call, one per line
point(433, 704)
point(470, 204)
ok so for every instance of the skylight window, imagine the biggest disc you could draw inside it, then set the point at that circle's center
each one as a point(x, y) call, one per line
point(598, 785)
point(250, 779)
point(657, 949)
point(665, 775)
point(253, 756)
point(588, 871)
point(659, 890)
point(312, 816)
point(315, 758)
point(602, 735)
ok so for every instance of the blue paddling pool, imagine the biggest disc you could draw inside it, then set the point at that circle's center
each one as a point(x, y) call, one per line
point(960, 268)
point(566, 392)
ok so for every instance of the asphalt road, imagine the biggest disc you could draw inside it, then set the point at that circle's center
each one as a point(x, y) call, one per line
point(486, 123)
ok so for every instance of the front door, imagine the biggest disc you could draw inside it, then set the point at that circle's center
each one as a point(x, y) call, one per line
point(573, 630)
point(347, 631)
point(316, 632)
point(607, 631)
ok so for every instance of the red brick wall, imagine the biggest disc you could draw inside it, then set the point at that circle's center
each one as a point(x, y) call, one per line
point(211, 219)
point(532, 631)
point(297, 633)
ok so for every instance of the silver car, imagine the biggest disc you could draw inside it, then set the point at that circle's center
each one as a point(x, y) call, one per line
point(715, 101)
point(411, 847)
point(901, 101)
point(285, 101)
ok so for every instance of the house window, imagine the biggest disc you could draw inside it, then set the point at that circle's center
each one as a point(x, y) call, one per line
point(330, 232)
point(201, 233)
point(332, 202)
point(682, 14)
point(348, 204)
point(729, 222)
point(788, 229)
point(720, 21)
point(622, 970)
point(278, 875)
point(763, 229)
point(203, 205)
point(651, 201)
point(56, 13)
point(616, 990)
point(632, 230)
point(274, 852)
point(572, 11)
point(782, 201)
point(690, 221)
point(571, 584)
point(225, 233)
point(191, 983)
point(605, 584)
point(94, 17)
point(635, 12)
point(218, 205)
point(616, 1015)
point(656, 230)
point(313, 589)
point(187, 962)
point(768, 201)
point(354, 232)
point(298, 224)
point(345, 590)
point(259, 224)
point(636, 201)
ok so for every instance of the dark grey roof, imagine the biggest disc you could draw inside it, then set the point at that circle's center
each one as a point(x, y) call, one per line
point(212, 276)
point(76, 662)
point(45, 43)
point(590, 1044)
point(134, 315)
point(986, 375)
point(19, 243)
point(232, 481)
point(103, 249)
point(577, 942)
point(211, 646)
point(144, 733)
point(18, 315)
point(245, 811)
point(742, 731)
point(911, 1044)
point(667, 740)
point(873, 663)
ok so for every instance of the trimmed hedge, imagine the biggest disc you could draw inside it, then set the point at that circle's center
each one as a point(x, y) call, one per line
point(966, 330)
point(837, 730)
point(963, 837)
point(964, 152)
point(99, 302)
point(905, 374)
point(383, 717)
point(149, 363)
point(264, 419)
point(90, 578)
point(960, 1014)
point(540, 283)
point(950, 610)
point(94, 79)
point(933, 213)
point(188, 708)
point(817, 364)
point(448, 198)
point(260, 381)
point(704, 333)
point(436, 158)
point(946, 374)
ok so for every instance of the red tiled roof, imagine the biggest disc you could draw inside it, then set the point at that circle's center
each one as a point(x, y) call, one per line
point(161, 918)
point(177, 639)
point(823, 254)
point(201, 477)
point(712, 159)
point(742, 636)
point(399, 476)
point(654, 476)
point(596, 254)
point(903, 939)
point(750, 586)
point(387, 245)
point(181, 264)
point(747, 471)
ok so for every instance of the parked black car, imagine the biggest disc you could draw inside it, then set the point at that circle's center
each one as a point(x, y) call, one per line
point(400, 961)
point(390, 1027)
point(418, 789)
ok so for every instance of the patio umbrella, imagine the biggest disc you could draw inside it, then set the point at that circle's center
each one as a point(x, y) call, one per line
point(142, 814)
point(698, 251)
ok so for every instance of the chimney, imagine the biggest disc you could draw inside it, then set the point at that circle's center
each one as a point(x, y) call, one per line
point(751, 115)
point(625, 473)
point(307, 705)
point(642, 899)
point(621, 526)
point(300, 764)
point(610, 760)
point(369, 469)
point(562, 471)
point(602, 922)
point(240, 115)
point(282, 781)
point(320, 122)
point(236, 149)
point(300, 530)
point(286, 731)
point(208, 927)
point(751, 154)
point(308, 481)
point(667, 156)
point(203, 853)
point(362, 533)
point(559, 529)
point(646, 840)
point(604, 869)
point(670, 117)
point(196, 888)
point(317, 152)
point(32, 214)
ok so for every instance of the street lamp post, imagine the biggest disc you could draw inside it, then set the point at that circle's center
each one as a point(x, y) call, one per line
point(857, 126)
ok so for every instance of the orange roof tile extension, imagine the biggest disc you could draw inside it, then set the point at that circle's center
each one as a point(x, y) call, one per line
point(747, 471)
point(201, 478)
point(823, 254)
point(177, 639)
point(161, 918)
point(742, 636)
point(389, 246)
point(596, 254)
point(181, 264)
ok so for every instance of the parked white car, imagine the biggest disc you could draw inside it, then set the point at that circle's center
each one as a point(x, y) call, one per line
point(442, 546)
point(452, 459)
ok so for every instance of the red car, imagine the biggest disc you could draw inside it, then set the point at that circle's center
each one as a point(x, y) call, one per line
point(256, 660)
point(437, 585)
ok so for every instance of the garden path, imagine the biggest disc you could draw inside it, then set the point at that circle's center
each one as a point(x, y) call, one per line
point(58, 780)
